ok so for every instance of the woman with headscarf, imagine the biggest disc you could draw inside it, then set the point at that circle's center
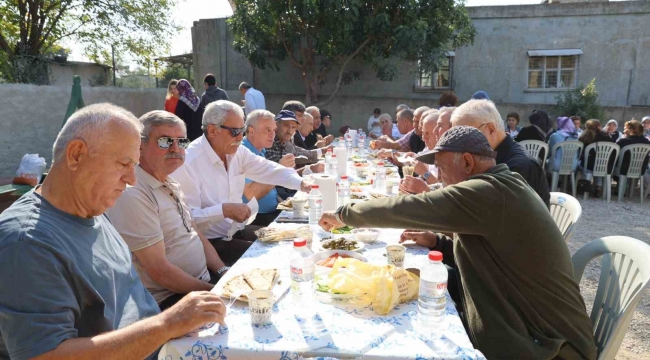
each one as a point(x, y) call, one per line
point(611, 128)
point(538, 129)
point(566, 131)
point(189, 109)
point(593, 134)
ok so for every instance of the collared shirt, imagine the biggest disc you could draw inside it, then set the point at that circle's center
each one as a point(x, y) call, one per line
point(269, 202)
point(254, 100)
point(404, 141)
point(395, 132)
point(208, 184)
point(512, 154)
point(150, 212)
point(279, 149)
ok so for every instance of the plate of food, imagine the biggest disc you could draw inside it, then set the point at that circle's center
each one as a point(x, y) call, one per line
point(342, 230)
point(240, 284)
point(342, 243)
point(366, 235)
point(288, 205)
point(360, 183)
point(272, 234)
point(376, 195)
point(357, 196)
point(324, 260)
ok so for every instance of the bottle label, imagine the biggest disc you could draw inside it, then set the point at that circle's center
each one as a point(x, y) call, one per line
point(301, 274)
point(432, 289)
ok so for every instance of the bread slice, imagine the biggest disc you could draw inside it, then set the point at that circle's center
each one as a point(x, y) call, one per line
point(259, 279)
point(237, 285)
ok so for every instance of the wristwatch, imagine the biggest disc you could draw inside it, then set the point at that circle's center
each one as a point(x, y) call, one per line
point(223, 270)
point(426, 175)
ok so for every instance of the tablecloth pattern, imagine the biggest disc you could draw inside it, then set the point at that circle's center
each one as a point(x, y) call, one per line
point(340, 331)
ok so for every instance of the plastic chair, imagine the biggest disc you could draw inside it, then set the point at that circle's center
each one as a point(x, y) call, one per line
point(570, 151)
point(604, 150)
point(638, 153)
point(566, 212)
point(624, 276)
point(533, 148)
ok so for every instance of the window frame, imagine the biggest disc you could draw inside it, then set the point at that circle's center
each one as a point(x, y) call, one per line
point(433, 76)
point(559, 54)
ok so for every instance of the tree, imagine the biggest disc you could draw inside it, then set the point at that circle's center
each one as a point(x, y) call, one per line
point(581, 101)
point(30, 28)
point(319, 36)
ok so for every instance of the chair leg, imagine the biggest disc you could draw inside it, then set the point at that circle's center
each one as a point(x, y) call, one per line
point(622, 182)
point(573, 184)
point(554, 180)
point(608, 189)
point(647, 192)
point(586, 176)
point(565, 182)
point(641, 186)
point(632, 186)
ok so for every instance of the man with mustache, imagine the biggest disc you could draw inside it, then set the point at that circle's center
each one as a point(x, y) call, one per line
point(213, 179)
point(170, 255)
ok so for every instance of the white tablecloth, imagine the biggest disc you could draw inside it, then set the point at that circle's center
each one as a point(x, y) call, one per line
point(338, 331)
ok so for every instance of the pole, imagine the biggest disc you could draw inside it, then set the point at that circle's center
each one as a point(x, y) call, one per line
point(113, 55)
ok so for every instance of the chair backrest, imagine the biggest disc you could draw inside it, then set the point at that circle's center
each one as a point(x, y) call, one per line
point(570, 150)
point(566, 212)
point(638, 153)
point(604, 150)
point(624, 276)
point(533, 147)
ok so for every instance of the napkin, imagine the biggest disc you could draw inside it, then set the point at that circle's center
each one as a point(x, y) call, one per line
point(235, 226)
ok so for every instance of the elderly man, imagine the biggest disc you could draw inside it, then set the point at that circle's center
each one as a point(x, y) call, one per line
point(303, 131)
point(405, 126)
point(326, 122)
point(314, 139)
point(260, 133)
point(253, 98)
point(416, 144)
point(518, 286)
point(483, 115)
point(213, 179)
point(297, 108)
point(69, 289)
point(429, 173)
point(170, 255)
point(396, 131)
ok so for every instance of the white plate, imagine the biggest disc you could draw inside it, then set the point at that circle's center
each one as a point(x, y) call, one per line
point(280, 286)
point(359, 244)
point(366, 235)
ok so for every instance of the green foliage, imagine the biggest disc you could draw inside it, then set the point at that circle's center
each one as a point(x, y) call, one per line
point(318, 36)
point(33, 28)
point(172, 72)
point(581, 101)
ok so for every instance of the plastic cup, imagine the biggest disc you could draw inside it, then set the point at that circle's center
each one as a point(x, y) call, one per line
point(395, 255)
point(260, 306)
point(299, 208)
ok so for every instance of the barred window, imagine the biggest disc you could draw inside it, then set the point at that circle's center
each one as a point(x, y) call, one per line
point(552, 72)
point(441, 79)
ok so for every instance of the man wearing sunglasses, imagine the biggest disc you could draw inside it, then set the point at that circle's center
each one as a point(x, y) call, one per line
point(170, 255)
point(213, 179)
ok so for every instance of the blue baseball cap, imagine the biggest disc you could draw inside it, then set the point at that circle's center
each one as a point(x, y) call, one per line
point(287, 116)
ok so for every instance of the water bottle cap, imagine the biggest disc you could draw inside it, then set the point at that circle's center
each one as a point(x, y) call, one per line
point(435, 256)
point(380, 163)
point(299, 242)
point(314, 187)
point(344, 177)
point(333, 155)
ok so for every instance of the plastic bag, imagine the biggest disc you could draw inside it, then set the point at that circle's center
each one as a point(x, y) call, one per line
point(30, 170)
point(383, 286)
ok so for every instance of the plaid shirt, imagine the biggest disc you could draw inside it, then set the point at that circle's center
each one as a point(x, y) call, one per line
point(404, 142)
point(278, 149)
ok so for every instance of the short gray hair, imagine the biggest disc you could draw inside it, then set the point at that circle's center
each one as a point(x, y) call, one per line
point(157, 118)
point(401, 107)
point(431, 115)
point(484, 110)
point(312, 108)
point(89, 124)
point(215, 113)
point(255, 116)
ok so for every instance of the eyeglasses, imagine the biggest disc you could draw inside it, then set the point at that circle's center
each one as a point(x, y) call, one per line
point(166, 142)
point(234, 131)
point(479, 128)
point(181, 211)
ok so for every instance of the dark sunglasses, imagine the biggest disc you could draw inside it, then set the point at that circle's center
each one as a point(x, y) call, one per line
point(166, 142)
point(234, 131)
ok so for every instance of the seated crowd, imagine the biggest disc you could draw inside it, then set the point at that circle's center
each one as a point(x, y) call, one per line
point(136, 221)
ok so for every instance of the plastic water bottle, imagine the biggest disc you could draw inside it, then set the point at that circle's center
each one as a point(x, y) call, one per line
point(432, 301)
point(332, 166)
point(302, 272)
point(348, 140)
point(380, 178)
point(315, 205)
point(362, 139)
point(308, 175)
point(343, 190)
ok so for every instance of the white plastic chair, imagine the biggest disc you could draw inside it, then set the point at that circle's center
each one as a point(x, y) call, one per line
point(566, 212)
point(570, 150)
point(638, 154)
point(604, 150)
point(533, 147)
point(624, 276)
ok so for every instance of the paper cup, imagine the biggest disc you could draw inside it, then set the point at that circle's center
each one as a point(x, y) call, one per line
point(299, 208)
point(395, 255)
point(260, 306)
point(408, 170)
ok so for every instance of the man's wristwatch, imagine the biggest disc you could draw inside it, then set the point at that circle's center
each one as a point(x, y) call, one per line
point(222, 270)
point(426, 175)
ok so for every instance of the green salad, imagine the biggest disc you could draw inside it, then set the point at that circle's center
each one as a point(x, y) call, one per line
point(343, 230)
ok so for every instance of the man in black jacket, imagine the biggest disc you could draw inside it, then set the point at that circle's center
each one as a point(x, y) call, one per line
point(483, 115)
point(212, 91)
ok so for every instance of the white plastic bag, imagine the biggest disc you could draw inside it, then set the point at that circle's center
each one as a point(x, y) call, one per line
point(30, 170)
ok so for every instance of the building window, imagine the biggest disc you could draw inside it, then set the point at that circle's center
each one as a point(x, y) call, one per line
point(553, 69)
point(441, 79)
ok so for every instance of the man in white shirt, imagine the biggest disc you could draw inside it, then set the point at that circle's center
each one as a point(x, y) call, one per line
point(253, 98)
point(396, 132)
point(213, 178)
point(374, 128)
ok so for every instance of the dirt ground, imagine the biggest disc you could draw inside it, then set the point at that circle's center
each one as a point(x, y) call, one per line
point(628, 218)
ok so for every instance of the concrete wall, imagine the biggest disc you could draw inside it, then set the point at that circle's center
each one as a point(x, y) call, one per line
point(31, 116)
point(61, 75)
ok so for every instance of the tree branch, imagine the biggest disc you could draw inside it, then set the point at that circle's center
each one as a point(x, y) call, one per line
point(5, 45)
point(342, 70)
point(53, 25)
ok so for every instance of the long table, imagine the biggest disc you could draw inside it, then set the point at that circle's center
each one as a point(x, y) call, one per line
point(339, 331)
